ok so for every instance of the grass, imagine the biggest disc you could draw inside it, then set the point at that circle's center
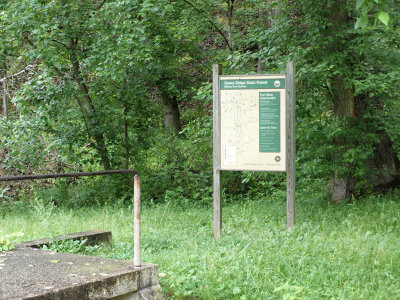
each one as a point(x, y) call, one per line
point(349, 251)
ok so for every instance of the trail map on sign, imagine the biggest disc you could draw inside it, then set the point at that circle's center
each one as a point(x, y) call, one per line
point(253, 122)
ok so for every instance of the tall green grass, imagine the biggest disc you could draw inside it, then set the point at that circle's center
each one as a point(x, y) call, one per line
point(349, 251)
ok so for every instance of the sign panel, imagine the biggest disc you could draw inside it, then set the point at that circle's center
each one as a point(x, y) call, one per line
point(270, 121)
point(252, 122)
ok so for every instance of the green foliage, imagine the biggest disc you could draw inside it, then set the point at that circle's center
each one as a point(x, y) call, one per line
point(73, 246)
point(103, 70)
point(94, 98)
point(380, 7)
point(86, 192)
point(7, 241)
point(323, 52)
point(6, 245)
point(18, 137)
point(181, 165)
point(88, 109)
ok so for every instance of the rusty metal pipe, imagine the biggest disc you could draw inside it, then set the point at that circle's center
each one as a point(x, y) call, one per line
point(63, 175)
point(137, 223)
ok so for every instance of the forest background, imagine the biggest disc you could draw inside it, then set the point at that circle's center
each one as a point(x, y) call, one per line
point(109, 84)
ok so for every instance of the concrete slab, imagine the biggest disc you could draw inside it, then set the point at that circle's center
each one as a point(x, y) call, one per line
point(92, 237)
point(30, 273)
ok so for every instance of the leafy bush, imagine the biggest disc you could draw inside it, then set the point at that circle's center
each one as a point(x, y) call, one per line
point(6, 245)
point(88, 191)
point(181, 165)
point(73, 246)
point(7, 241)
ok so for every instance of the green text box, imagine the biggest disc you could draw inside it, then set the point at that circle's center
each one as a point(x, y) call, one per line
point(270, 121)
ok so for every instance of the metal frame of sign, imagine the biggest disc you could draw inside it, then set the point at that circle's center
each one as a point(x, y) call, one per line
point(267, 103)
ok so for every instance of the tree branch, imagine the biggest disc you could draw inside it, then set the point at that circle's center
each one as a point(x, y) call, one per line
point(211, 22)
point(101, 5)
point(58, 42)
point(59, 73)
point(27, 68)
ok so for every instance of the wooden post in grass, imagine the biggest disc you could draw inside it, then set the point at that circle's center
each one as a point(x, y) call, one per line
point(136, 222)
point(291, 143)
point(217, 176)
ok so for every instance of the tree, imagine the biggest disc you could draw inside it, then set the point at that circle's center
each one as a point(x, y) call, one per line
point(110, 74)
point(59, 35)
point(172, 54)
point(383, 164)
point(110, 58)
point(341, 99)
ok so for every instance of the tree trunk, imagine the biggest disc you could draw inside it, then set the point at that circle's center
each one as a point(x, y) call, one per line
point(5, 107)
point(384, 166)
point(172, 118)
point(126, 134)
point(260, 63)
point(93, 122)
point(230, 19)
point(343, 107)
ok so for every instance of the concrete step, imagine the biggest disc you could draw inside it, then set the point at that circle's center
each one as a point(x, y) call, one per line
point(92, 237)
point(32, 273)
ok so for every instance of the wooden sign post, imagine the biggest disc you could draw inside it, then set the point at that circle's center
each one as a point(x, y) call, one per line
point(217, 175)
point(291, 144)
point(253, 130)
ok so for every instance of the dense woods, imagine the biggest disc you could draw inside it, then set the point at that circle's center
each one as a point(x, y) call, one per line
point(107, 84)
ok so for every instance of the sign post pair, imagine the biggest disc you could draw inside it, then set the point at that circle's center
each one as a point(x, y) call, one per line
point(254, 130)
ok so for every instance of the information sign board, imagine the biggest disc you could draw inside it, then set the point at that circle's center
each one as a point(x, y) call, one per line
point(252, 122)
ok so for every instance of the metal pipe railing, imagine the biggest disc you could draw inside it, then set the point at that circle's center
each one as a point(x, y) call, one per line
point(136, 196)
point(136, 222)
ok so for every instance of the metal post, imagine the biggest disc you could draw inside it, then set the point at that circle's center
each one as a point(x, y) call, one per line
point(136, 222)
point(217, 178)
point(291, 143)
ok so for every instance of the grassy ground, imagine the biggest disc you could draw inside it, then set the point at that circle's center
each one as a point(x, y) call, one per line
point(350, 251)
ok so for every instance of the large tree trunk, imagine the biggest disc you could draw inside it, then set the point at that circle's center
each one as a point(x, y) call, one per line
point(93, 123)
point(384, 166)
point(172, 118)
point(342, 186)
point(126, 135)
point(230, 19)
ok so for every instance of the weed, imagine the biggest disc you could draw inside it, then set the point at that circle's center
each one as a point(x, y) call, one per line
point(7, 241)
point(73, 246)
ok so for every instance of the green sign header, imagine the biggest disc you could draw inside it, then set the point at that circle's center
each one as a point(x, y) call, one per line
point(248, 84)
